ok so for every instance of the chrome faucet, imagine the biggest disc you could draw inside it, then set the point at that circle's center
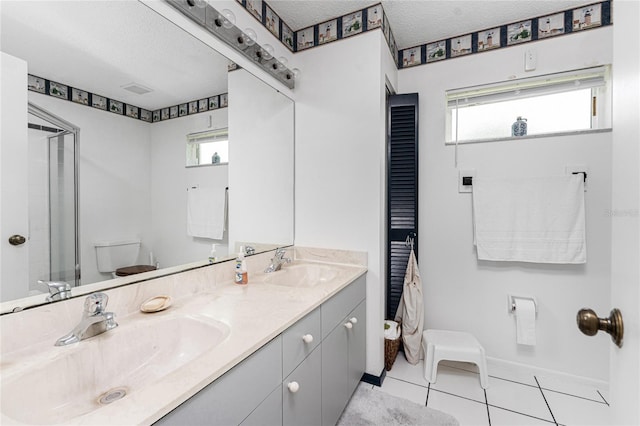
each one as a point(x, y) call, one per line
point(94, 320)
point(277, 261)
point(58, 290)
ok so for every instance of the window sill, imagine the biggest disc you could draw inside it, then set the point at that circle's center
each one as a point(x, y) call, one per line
point(538, 136)
point(206, 165)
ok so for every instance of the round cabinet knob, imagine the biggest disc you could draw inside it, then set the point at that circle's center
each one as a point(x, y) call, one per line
point(348, 325)
point(354, 320)
point(293, 387)
point(308, 338)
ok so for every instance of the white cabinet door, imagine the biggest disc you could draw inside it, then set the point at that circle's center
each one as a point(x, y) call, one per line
point(301, 393)
point(334, 375)
point(357, 346)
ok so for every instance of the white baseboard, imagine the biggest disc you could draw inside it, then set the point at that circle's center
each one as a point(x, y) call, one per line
point(504, 365)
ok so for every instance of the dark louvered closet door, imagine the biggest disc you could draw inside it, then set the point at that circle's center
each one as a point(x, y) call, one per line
point(402, 191)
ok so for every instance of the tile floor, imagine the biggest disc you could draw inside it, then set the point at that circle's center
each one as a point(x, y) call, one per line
point(513, 398)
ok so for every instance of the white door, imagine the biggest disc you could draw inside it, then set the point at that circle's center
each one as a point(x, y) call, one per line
point(14, 259)
point(625, 214)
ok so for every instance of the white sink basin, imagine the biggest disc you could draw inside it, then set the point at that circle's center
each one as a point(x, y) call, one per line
point(81, 378)
point(302, 275)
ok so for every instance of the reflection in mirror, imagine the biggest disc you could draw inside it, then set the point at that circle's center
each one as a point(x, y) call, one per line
point(208, 147)
point(138, 92)
point(260, 208)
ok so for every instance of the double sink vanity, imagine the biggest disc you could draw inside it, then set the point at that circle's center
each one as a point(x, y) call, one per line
point(287, 348)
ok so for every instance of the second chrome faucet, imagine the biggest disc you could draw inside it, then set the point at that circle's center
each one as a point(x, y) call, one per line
point(277, 261)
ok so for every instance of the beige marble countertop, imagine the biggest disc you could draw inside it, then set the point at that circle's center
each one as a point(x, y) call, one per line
point(255, 313)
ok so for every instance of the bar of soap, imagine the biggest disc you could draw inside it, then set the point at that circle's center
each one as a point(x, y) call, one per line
point(156, 304)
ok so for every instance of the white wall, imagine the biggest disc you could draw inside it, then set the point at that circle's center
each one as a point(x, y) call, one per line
point(464, 294)
point(261, 147)
point(114, 177)
point(340, 157)
point(169, 182)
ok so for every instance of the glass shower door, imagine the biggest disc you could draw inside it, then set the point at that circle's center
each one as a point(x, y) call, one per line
point(63, 248)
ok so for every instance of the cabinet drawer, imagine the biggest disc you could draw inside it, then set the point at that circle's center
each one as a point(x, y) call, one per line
point(294, 348)
point(338, 307)
point(301, 404)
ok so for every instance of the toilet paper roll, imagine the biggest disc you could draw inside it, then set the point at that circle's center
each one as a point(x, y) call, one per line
point(525, 321)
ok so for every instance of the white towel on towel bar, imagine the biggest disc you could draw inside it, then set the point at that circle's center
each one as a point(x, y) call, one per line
point(539, 220)
point(206, 212)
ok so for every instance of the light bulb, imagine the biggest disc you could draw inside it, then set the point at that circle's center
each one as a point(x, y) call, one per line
point(250, 36)
point(201, 3)
point(282, 62)
point(267, 51)
point(296, 73)
point(228, 18)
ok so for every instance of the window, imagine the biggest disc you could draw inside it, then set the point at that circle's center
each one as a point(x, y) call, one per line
point(208, 147)
point(551, 104)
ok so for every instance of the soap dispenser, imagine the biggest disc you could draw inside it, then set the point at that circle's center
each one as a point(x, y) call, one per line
point(213, 255)
point(241, 276)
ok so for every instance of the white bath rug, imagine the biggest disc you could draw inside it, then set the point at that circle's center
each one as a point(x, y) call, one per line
point(374, 407)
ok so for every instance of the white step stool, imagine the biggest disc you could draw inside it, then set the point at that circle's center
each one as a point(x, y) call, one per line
point(452, 346)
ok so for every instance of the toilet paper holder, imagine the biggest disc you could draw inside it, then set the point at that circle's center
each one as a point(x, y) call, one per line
point(511, 302)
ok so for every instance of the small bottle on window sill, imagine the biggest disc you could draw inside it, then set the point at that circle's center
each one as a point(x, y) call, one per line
point(519, 127)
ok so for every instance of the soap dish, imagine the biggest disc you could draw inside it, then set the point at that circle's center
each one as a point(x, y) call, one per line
point(156, 304)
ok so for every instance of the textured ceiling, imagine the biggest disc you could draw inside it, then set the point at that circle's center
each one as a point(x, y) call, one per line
point(419, 21)
point(100, 46)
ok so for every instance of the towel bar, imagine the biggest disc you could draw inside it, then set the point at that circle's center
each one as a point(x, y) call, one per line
point(468, 180)
point(584, 173)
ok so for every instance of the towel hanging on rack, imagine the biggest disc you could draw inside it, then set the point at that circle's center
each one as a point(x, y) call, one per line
point(206, 212)
point(540, 220)
point(411, 310)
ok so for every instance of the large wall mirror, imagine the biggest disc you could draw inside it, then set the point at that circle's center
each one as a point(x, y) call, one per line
point(99, 170)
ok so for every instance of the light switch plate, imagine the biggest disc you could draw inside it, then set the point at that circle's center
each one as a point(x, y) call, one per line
point(465, 173)
point(530, 60)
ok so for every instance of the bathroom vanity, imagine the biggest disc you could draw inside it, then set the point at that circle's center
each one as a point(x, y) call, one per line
point(288, 348)
point(305, 375)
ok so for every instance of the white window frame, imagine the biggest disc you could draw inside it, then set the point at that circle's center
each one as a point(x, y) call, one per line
point(195, 139)
point(596, 78)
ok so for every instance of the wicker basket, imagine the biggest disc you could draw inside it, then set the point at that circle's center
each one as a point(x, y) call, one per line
point(391, 347)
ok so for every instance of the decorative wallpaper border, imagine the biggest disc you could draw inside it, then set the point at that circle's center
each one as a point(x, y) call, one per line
point(341, 27)
point(569, 21)
point(83, 97)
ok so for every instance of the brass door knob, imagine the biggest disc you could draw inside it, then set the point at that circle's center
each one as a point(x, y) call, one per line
point(16, 240)
point(590, 324)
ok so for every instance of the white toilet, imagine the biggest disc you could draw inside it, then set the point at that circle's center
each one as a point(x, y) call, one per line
point(119, 258)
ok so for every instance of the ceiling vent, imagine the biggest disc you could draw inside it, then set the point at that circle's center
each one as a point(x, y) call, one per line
point(136, 88)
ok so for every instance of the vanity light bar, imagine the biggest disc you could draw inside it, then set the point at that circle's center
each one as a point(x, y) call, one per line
point(214, 22)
